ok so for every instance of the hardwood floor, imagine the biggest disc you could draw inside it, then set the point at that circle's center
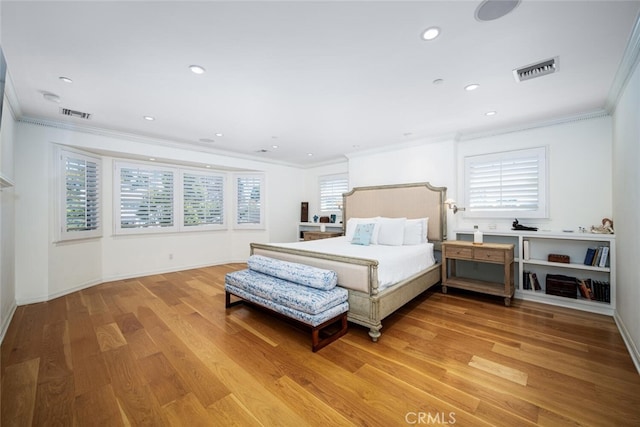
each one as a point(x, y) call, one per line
point(162, 350)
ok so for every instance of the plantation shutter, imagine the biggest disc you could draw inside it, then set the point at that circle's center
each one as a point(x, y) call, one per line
point(331, 189)
point(249, 200)
point(81, 196)
point(511, 183)
point(203, 199)
point(146, 198)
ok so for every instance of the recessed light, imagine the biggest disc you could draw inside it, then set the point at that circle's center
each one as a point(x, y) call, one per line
point(149, 118)
point(153, 159)
point(275, 146)
point(430, 33)
point(490, 113)
point(218, 134)
point(471, 87)
point(51, 97)
point(197, 69)
point(65, 79)
point(309, 154)
point(208, 166)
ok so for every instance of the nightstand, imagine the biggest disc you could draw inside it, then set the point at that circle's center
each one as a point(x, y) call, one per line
point(494, 253)
point(315, 235)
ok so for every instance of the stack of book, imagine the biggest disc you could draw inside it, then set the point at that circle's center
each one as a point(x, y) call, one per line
point(595, 290)
point(530, 281)
point(597, 257)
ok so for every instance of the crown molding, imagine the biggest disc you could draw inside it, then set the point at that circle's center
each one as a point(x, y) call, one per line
point(628, 64)
point(536, 125)
point(404, 145)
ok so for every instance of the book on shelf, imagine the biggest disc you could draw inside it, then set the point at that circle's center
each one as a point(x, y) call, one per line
point(535, 282)
point(588, 258)
point(530, 281)
point(602, 262)
point(584, 285)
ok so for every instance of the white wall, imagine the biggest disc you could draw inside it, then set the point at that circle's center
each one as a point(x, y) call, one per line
point(45, 269)
point(626, 205)
point(312, 184)
point(7, 234)
point(579, 172)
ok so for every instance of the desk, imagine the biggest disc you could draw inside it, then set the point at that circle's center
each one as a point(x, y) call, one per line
point(494, 253)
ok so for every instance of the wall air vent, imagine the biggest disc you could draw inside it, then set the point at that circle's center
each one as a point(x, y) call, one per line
point(538, 69)
point(74, 113)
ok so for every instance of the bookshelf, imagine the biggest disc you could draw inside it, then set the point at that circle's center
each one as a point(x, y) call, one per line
point(535, 260)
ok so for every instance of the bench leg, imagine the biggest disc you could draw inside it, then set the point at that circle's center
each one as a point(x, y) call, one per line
point(227, 300)
point(317, 342)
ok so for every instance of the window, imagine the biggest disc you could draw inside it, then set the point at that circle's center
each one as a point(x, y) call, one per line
point(80, 196)
point(146, 198)
point(249, 190)
point(331, 189)
point(155, 198)
point(507, 184)
point(203, 200)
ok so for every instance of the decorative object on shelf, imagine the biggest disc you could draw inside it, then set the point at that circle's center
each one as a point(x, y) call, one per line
point(315, 218)
point(333, 218)
point(304, 212)
point(517, 226)
point(605, 228)
point(323, 227)
point(562, 286)
point(565, 259)
point(325, 219)
point(452, 205)
point(477, 236)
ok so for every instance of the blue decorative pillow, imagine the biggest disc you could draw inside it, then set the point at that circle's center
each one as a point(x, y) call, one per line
point(362, 235)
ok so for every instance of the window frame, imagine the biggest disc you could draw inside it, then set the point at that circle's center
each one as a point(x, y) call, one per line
point(178, 198)
point(117, 187)
point(261, 224)
point(327, 178)
point(223, 187)
point(539, 153)
point(64, 234)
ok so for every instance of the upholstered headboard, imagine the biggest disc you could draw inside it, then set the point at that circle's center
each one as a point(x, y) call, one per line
point(416, 200)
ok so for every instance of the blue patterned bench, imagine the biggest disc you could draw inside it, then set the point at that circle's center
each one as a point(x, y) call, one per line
point(306, 294)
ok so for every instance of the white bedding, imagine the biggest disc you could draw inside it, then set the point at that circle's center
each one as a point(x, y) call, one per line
point(395, 263)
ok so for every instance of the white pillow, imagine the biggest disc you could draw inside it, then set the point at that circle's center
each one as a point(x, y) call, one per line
point(391, 231)
point(352, 223)
point(415, 231)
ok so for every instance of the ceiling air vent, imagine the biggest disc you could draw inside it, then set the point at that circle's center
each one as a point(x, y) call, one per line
point(538, 69)
point(74, 113)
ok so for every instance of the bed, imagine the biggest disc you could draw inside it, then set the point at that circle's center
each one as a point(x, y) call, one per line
point(370, 301)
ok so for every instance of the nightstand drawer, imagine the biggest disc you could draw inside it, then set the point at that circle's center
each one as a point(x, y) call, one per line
point(491, 255)
point(458, 252)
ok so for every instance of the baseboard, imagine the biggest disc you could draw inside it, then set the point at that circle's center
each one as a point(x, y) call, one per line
point(631, 346)
point(114, 278)
point(7, 321)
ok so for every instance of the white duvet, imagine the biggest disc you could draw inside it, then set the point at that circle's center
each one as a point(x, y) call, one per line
point(395, 263)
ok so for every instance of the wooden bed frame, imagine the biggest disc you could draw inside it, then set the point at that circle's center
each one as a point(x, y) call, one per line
point(367, 305)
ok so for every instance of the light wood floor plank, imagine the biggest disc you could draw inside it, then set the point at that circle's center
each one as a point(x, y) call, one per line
point(163, 350)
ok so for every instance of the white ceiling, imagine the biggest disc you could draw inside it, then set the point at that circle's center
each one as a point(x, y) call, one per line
point(329, 78)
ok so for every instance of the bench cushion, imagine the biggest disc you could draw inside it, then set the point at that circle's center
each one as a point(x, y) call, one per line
point(293, 272)
point(309, 319)
point(279, 292)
